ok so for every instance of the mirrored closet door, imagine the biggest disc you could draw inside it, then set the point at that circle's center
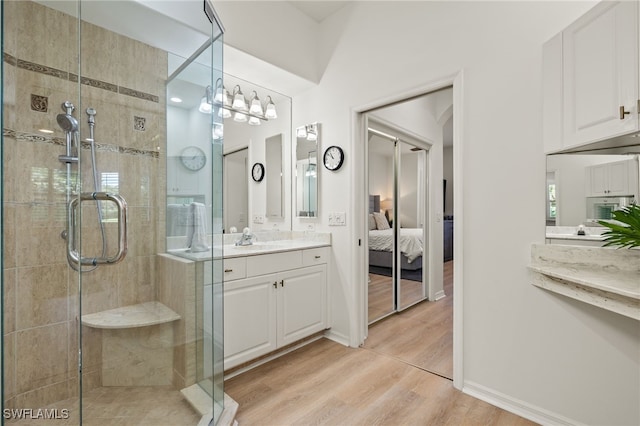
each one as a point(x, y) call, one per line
point(397, 191)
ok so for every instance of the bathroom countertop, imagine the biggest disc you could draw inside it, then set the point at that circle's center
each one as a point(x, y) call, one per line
point(596, 237)
point(593, 233)
point(255, 249)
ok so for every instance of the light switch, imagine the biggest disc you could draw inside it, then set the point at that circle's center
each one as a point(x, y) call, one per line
point(337, 219)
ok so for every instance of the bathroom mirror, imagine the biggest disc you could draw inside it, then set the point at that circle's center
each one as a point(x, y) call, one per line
point(257, 205)
point(574, 185)
point(274, 177)
point(236, 190)
point(306, 170)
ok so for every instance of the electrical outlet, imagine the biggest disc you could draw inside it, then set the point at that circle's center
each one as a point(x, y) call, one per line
point(258, 218)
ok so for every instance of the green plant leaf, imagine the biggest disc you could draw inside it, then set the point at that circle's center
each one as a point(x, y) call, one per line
point(626, 233)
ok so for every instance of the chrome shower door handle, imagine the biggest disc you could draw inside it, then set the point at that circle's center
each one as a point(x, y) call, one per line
point(72, 252)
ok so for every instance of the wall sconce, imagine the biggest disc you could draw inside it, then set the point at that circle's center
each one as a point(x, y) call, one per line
point(308, 132)
point(236, 105)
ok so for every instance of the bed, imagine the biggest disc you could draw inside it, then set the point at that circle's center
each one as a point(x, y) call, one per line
point(381, 243)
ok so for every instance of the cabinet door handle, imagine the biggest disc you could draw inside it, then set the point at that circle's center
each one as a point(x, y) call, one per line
point(228, 270)
point(318, 257)
point(623, 112)
point(282, 283)
point(275, 284)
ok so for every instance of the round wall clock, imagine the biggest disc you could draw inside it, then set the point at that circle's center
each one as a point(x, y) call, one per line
point(257, 172)
point(193, 158)
point(333, 158)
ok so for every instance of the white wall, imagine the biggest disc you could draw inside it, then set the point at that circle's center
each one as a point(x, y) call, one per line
point(519, 341)
point(540, 352)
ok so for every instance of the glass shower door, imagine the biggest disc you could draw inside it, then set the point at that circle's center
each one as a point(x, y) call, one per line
point(101, 322)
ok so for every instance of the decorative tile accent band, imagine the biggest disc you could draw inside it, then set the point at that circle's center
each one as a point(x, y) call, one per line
point(99, 84)
point(35, 138)
point(10, 59)
point(54, 72)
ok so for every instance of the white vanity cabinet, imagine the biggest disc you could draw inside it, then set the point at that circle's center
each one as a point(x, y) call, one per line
point(590, 78)
point(618, 178)
point(282, 299)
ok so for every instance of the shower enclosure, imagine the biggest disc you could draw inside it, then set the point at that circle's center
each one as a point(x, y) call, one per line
point(111, 313)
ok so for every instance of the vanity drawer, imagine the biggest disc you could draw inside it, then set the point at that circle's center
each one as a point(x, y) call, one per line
point(274, 262)
point(315, 256)
point(235, 268)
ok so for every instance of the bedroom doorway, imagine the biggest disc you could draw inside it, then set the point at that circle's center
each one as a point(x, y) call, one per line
point(398, 191)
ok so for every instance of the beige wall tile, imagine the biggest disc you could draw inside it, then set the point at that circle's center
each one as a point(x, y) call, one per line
point(9, 93)
point(10, 237)
point(141, 356)
point(45, 36)
point(42, 396)
point(101, 46)
point(9, 298)
point(99, 290)
point(42, 296)
point(42, 357)
point(9, 349)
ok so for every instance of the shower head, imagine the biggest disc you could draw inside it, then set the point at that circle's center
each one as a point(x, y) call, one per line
point(67, 122)
point(67, 107)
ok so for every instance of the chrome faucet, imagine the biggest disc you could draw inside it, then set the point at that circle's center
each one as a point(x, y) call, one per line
point(246, 239)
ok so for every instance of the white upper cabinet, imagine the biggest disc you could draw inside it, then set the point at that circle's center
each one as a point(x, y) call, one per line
point(600, 74)
point(619, 178)
point(591, 79)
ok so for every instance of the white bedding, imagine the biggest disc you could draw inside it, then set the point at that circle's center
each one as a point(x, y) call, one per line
point(410, 241)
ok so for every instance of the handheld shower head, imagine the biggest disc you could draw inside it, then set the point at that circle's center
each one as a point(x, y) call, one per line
point(67, 122)
point(91, 112)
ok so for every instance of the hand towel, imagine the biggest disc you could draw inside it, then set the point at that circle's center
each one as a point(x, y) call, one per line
point(197, 228)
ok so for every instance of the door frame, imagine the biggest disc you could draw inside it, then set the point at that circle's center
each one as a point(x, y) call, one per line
point(359, 205)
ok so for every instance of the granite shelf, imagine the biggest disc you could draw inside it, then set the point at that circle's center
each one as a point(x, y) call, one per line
point(603, 277)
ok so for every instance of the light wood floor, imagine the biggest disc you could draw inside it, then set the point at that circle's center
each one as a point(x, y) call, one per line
point(380, 293)
point(421, 335)
point(325, 383)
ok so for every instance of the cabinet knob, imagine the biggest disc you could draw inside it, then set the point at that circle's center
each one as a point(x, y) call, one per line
point(318, 257)
point(275, 284)
point(623, 112)
point(228, 270)
point(282, 283)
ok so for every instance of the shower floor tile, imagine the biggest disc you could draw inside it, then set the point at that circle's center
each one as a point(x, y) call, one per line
point(124, 406)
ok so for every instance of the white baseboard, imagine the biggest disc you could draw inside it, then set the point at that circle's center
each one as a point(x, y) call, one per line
point(516, 406)
point(337, 337)
point(440, 295)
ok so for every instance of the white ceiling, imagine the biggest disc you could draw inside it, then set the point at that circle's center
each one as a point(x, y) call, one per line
point(318, 10)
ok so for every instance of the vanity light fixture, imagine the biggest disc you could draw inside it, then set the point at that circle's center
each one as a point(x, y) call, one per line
point(239, 102)
point(236, 106)
point(308, 132)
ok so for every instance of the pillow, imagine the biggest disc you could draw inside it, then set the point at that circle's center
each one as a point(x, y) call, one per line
point(372, 222)
point(381, 221)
